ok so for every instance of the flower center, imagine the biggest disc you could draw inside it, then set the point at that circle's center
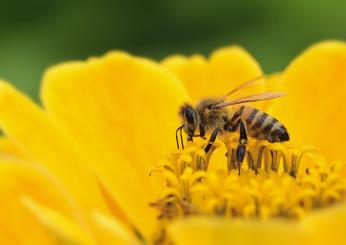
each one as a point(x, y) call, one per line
point(272, 182)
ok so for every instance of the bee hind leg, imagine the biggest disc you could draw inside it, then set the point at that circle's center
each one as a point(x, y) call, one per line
point(212, 139)
point(241, 149)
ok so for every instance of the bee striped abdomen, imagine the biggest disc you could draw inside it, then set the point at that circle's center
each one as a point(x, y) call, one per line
point(261, 125)
point(259, 121)
point(251, 116)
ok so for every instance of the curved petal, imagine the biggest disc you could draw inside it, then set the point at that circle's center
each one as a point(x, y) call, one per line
point(213, 230)
point(110, 231)
point(18, 178)
point(8, 148)
point(45, 142)
point(226, 68)
point(313, 110)
point(115, 206)
point(122, 111)
point(61, 228)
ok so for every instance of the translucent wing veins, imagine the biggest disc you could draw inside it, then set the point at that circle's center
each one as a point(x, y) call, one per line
point(251, 98)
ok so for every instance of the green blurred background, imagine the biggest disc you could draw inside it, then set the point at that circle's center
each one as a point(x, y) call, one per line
point(39, 33)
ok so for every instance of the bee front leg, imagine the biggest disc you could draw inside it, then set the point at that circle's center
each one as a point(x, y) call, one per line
point(241, 149)
point(212, 139)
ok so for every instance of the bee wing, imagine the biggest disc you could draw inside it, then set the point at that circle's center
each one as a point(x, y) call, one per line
point(245, 85)
point(251, 98)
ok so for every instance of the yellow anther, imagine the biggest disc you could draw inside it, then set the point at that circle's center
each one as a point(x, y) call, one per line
point(273, 186)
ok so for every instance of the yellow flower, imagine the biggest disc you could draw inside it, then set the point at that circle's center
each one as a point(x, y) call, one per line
point(76, 170)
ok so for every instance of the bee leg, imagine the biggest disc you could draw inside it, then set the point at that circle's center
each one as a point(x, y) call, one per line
point(201, 131)
point(241, 149)
point(212, 139)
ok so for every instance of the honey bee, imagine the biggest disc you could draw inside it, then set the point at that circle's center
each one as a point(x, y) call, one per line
point(216, 116)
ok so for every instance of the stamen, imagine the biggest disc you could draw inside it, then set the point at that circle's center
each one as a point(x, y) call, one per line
point(271, 183)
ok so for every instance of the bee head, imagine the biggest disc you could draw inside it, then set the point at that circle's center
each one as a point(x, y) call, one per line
point(190, 119)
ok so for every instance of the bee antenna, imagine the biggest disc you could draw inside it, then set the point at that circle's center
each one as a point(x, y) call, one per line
point(181, 136)
point(176, 135)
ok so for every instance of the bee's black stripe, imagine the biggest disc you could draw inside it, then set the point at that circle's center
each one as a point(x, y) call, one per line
point(269, 126)
point(252, 116)
point(237, 114)
point(258, 124)
point(280, 134)
point(282, 129)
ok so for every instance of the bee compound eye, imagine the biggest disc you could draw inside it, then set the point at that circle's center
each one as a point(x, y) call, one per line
point(190, 116)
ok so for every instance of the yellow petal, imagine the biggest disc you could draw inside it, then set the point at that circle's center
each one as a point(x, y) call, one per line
point(58, 225)
point(19, 178)
point(213, 230)
point(114, 207)
point(327, 226)
point(8, 148)
point(226, 68)
point(272, 83)
point(48, 144)
point(111, 231)
point(313, 110)
point(122, 111)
